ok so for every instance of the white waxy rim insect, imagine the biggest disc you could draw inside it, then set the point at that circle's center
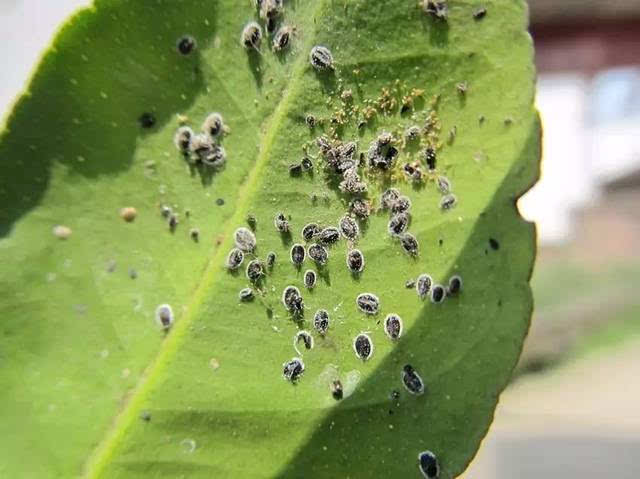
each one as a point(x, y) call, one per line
point(292, 361)
point(284, 293)
point(246, 34)
point(444, 293)
point(346, 219)
point(422, 471)
point(386, 326)
point(419, 281)
point(358, 252)
point(161, 310)
point(245, 239)
point(355, 349)
point(321, 314)
point(361, 295)
point(311, 273)
point(296, 340)
point(411, 391)
point(304, 253)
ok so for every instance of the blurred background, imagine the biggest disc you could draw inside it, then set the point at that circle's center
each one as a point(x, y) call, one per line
point(572, 409)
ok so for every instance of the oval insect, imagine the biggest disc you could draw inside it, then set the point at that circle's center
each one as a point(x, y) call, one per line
point(444, 185)
point(401, 205)
point(398, 224)
point(182, 138)
point(455, 285)
point(213, 124)
point(361, 208)
point(410, 283)
point(321, 321)
point(245, 239)
point(412, 380)
point(409, 244)
point(328, 236)
point(292, 300)
point(448, 202)
point(349, 227)
point(438, 293)
point(281, 223)
point(429, 156)
point(363, 346)
point(186, 44)
point(393, 326)
point(306, 164)
point(321, 58)
point(428, 465)
point(255, 271)
point(309, 231)
point(336, 389)
point(423, 285)
point(388, 198)
point(297, 254)
point(293, 370)
point(412, 133)
point(271, 259)
point(282, 38)
point(355, 261)
point(318, 253)
point(235, 258)
point(368, 303)
point(216, 156)
point(246, 295)
point(305, 338)
point(310, 279)
point(164, 316)
point(251, 36)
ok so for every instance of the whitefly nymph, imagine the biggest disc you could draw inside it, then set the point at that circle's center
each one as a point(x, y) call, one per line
point(388, 198)
point(412, 380)
point(246, 295)
point(328, 236)
point(251, 36)
point(164, 316)
point(455, 285)
point(292, 370)
point(349, 227)
point(318, 253)
point(428, 465)
point(245, 239)
point(309, 231)
point(355, 261)
point(393, 326)
point(401, 205)
point(182, 138)
point(303, 337)
point(321, 58)
point(409, 244)
point(321, 321)
point(438, 294)
point(213, 124)
point(281, 223)
point(255, 270)
point(235, 258)
point(310, 279)
point(398, 224)
point(297, 254)
point(271, 259)
point(448, 202)
point(368, 303)
point(423, 285)
point(282, 38)
point(363, 346)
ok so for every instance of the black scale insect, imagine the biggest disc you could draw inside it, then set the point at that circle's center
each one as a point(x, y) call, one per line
point(213, 124)
point(186, 44)
point(410, 283)
point(297, 254)
point(388, 198)
point(368, 303)
point(328, 236)
point(271, 259)
point(235, 258)
point(349, 227)
point(412, 133)
point(398, 224)
point(393, 326)
point(309, 231)
point(310, 278)
point(318, 253)
point(423, 285)
point(306, 339)
point(409, 244)
point(251, 36)
point(182, 138)
point(306, 164)
point(321, 321)
point(401, 205)
point(281, 223)
point(336, 390)
point(321, 58)
point(310, 120)
point(246, 295)
point(355, 261)
point(444, 185)
point(363, 346)
point(245, 240)
point(455, 285)
point(430, 157)
point(480, 13)
point(255, 270)
point(361, 208)
point(164, 316)
point(428, 465)
point(412, 380)
point(282, 38)
point(293, 370)
point(147, 120)
point(438, 294)
point(293, 301)
point(448, 201)
point(252, 221)
point(438, 9)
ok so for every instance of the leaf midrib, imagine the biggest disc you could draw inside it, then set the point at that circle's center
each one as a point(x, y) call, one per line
point(99, 458)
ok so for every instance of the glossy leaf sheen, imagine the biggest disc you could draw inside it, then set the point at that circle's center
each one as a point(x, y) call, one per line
point(92, 386)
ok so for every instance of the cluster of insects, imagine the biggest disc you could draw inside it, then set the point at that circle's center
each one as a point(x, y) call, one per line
point(204, 147)
point(270, 13)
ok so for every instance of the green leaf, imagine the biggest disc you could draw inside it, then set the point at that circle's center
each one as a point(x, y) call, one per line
point(92, 386)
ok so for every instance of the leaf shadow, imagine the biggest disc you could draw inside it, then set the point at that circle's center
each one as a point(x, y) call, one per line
point(83, 106)
point(436, 410)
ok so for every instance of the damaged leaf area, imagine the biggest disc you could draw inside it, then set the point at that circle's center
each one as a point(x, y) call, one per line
point(266, 239)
